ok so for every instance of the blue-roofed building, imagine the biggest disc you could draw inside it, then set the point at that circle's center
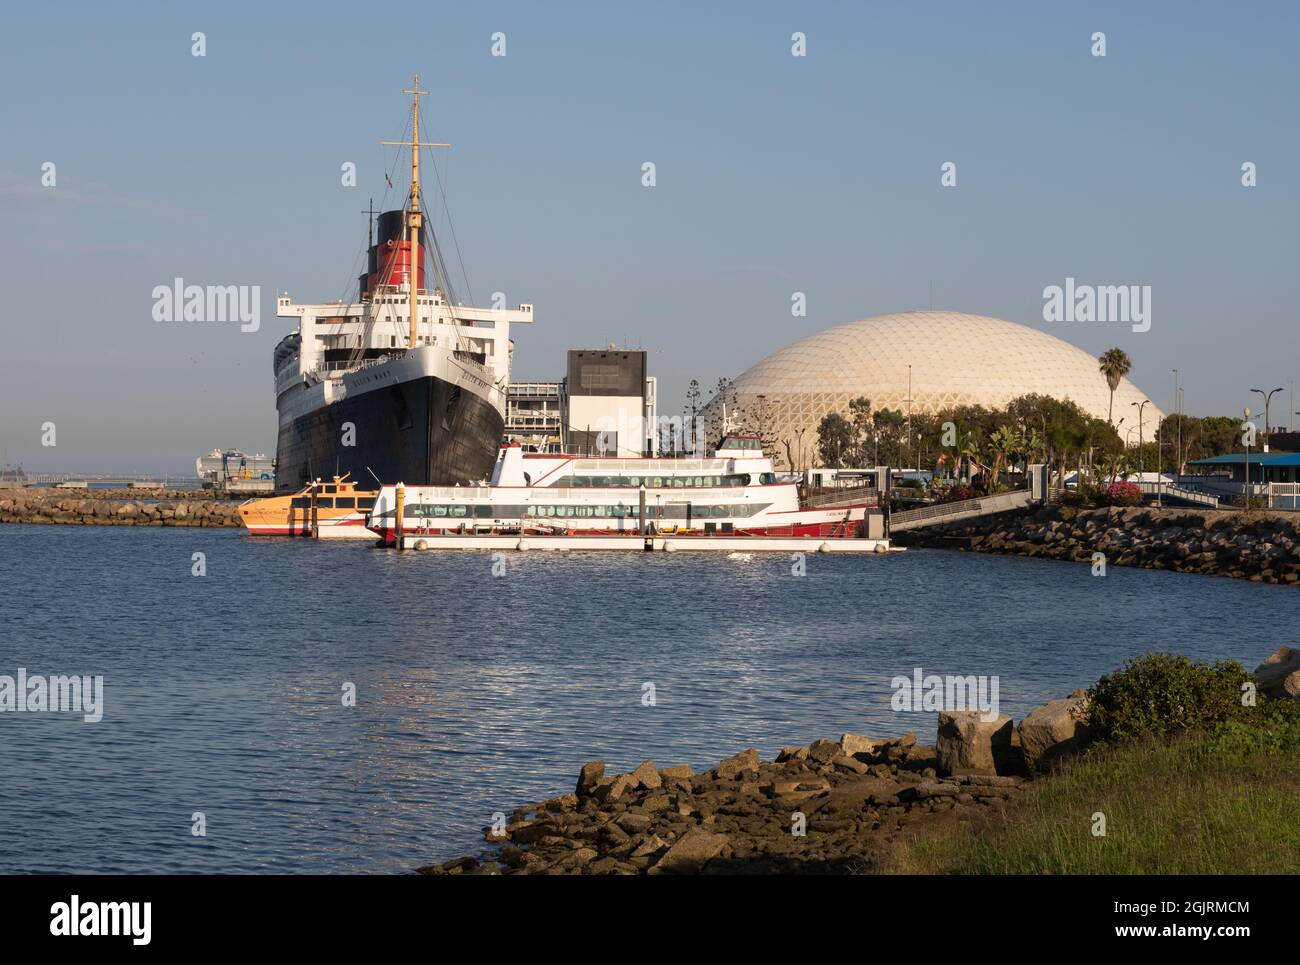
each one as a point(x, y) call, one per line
point(1275, 475)
point(1265, 467)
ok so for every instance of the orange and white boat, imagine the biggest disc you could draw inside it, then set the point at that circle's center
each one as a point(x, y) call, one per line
point(339, 509)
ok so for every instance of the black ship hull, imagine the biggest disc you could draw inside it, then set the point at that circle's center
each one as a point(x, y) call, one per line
point(422, 432)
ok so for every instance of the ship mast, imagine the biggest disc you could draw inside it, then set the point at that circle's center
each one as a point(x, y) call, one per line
point(414, 213)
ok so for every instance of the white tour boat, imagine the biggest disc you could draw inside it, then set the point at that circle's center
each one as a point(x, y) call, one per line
point(733, 493)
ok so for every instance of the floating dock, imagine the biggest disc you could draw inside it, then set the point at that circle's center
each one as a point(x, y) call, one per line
point(662, 543)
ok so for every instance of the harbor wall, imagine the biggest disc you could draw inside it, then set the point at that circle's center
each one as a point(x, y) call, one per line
point(113, 507)
point(1259, 546)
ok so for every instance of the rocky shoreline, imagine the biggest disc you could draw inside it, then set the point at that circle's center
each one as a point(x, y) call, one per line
point(116, 507)
point(1260, 546)
point(832, 807)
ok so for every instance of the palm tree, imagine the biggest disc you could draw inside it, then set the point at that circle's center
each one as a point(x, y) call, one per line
point(970, 451)
point(1006, 443)
point(1114, 364)
point(1117, 463)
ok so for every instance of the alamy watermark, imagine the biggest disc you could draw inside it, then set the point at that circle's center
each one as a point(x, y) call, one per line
point(180, 302)
point(57, 694)
point(1098, 303)
point(130, 919)
point(919, 693)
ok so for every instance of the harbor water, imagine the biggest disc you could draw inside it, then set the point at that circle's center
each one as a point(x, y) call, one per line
point(484, 681)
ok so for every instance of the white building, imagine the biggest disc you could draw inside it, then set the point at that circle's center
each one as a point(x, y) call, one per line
point(606, 405)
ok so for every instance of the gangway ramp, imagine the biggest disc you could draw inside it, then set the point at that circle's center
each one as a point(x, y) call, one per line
point(959, 510)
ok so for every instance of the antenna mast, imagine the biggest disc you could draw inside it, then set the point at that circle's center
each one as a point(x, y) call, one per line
point(414, 211)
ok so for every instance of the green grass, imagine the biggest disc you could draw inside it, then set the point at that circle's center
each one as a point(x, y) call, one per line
point(1223, 801)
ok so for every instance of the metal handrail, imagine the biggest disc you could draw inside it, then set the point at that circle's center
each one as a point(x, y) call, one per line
point(991, 503)
point(842, 497)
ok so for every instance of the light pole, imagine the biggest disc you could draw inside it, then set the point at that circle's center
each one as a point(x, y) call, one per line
point(1178, 411)
point(1267, 395)
point(1140, 405)
point(1160, 480)
point(909, 407)
point(1246, 435)
point(1181, 467)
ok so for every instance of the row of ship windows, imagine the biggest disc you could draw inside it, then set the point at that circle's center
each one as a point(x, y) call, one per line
point(335, 502)
point(565, 512)
point(664, 482)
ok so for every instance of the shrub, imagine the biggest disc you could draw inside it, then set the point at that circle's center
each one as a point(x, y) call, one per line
point(1162, 694)
point(1120, 493)
point(1271, 727)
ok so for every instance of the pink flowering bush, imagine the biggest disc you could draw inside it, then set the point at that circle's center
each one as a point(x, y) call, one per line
point(1121, 493)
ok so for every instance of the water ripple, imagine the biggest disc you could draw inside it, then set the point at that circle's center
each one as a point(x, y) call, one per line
point(477, 694)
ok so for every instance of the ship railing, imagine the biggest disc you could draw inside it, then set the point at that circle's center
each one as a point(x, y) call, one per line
point(648, 467)
point(848, 496)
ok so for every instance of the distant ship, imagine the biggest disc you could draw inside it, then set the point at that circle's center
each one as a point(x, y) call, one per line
point(12, 474)
point(222, 464)
point(403, 384)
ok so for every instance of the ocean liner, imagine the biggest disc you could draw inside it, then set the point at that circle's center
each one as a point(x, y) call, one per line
point(403, 383)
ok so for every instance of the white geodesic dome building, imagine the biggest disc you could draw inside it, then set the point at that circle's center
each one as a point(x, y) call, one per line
point(955, 359)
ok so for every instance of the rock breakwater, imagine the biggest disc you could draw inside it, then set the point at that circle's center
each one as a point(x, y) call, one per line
point(110, 507)
point(1259, 546)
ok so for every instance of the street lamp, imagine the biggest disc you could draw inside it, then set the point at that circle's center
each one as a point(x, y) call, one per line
point(1245, 414)
point(1140, 405)
point(1181, 416)
point(1267, 395)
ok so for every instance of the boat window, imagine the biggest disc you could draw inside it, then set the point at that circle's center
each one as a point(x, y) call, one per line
point(365, 502)
point(460, 510)
point(326, 503)
point(634, 480)
point(345, 502)
point(767, 478)
point(439, 510)
point(301, 502)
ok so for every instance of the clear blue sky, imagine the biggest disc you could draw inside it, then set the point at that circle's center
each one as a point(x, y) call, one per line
point(775, 174)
